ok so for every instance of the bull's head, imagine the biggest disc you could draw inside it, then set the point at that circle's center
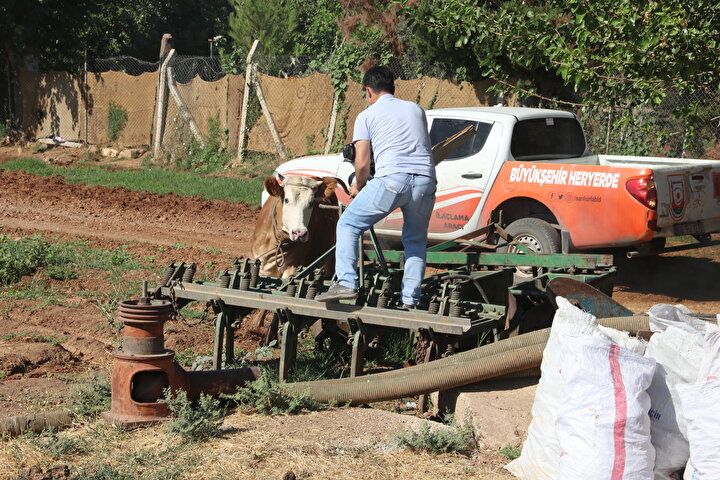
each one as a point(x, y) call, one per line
point(299, 196)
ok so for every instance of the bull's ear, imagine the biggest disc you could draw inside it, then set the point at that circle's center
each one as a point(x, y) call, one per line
point(329, 184)
point(273, 187)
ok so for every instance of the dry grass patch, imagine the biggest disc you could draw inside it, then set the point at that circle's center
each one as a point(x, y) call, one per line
point(333, 444)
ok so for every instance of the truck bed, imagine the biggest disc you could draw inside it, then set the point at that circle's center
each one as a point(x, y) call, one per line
point(631, 161)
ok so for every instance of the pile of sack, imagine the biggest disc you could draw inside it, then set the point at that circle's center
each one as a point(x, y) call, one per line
point(611, 406)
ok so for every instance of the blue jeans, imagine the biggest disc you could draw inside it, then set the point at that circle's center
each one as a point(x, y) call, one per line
point(415, 196)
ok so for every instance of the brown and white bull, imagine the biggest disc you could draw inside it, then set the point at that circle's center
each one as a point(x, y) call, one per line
point(292, 230)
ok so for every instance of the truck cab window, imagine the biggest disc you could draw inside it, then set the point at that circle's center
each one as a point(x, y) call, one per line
point(547, 138)
point(443, 128)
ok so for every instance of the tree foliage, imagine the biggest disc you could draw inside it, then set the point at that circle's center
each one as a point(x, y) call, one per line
point(611, 52)
point(273, 22)
point(58, 33)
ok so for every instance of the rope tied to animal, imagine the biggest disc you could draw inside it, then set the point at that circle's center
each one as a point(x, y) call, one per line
point(280, 239)
point(279, 252)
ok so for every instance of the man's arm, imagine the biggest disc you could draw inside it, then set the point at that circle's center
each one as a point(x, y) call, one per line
point(362, 166)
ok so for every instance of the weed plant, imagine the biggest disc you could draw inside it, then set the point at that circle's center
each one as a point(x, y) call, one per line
point(210, 157)
point(56, 445)
point(170, 463)
point(156, 180)
point(320, 362)
point(102, 471)
point(90, 396)
point(510, 452)
point(394, 350)
point(193, 421)
point(116, 120)
point(456, 438)
point(26, 255)
point(267, 396)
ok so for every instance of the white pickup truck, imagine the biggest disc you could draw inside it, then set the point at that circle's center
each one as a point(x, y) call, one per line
point(532, 166)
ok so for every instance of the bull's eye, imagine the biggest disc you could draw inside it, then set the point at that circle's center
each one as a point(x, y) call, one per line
point(287, 200)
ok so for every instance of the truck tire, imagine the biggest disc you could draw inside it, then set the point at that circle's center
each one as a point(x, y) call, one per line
point(538, 235)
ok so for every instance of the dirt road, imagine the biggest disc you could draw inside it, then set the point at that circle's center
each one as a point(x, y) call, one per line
point(47, 204)
point(40, 204)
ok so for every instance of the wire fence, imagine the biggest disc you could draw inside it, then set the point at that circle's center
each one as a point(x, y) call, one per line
point(192, 104)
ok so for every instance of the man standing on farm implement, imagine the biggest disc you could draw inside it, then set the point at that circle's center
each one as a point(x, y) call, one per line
point(397, 133)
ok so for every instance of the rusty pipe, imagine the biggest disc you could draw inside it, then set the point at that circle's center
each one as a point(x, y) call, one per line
point(20, 424)
point(216, 382)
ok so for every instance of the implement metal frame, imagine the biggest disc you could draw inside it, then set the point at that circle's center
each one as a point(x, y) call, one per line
point(473, 297)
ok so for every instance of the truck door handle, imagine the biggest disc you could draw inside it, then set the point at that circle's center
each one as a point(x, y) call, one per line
point(472, 175)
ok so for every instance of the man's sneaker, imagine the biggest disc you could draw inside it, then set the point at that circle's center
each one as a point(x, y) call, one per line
point(337, 292)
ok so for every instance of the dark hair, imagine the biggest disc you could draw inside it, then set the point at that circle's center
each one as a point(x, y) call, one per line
point(379, 79)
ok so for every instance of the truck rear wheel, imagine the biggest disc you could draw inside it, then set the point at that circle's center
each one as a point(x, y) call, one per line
point(535, 234)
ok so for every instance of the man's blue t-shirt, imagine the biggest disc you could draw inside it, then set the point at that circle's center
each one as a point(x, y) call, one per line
point(399, 135)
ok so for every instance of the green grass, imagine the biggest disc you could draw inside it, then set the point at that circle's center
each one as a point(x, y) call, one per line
point(37, 338)
point(60, 261)
point(156, 180)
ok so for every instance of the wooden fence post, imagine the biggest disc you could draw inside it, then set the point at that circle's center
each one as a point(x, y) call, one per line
point(246, 98)
point(160, 105)
point(333, 120)
point(183, 109)
point(268, 117)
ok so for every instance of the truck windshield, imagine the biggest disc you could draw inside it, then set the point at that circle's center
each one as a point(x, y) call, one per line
point(551, 137)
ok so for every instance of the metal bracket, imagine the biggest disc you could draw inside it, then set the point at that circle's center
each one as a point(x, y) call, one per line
point(288, 348)
point(224, 335)
point(359, 346)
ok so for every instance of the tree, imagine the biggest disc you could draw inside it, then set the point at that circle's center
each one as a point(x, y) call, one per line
point(273, 22)
point(607, 52)
point(60, 32)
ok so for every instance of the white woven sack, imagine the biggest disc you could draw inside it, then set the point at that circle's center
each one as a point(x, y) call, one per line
point(540, 454)
point(678, 353)
point(602, 423)
point(699, 406)
point(710, 364)
point(662, 316)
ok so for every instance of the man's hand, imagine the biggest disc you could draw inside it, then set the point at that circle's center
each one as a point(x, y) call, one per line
point(354, 190)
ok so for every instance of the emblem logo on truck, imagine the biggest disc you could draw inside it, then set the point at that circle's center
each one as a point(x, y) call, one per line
point(677, 196)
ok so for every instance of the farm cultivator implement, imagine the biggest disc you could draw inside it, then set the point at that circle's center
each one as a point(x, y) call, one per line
point(468, 301)
point(471, 299)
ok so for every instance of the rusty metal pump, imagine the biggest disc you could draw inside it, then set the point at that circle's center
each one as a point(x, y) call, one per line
point(144, 368)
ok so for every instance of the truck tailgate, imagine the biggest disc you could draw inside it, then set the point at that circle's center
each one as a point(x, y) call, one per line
point(688, 198)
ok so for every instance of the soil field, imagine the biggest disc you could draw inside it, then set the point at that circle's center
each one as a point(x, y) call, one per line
point(36, 375)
